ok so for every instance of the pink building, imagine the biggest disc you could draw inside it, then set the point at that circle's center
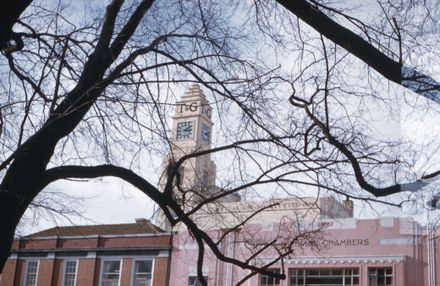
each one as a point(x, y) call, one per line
point(369, 252)
point(348, 251)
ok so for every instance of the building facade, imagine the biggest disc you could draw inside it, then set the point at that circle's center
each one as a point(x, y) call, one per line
point(362, 252)
point(134, 254)
point(338, 249)
point(326, 245)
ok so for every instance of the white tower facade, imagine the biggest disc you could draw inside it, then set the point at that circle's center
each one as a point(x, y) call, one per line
point(192, 133)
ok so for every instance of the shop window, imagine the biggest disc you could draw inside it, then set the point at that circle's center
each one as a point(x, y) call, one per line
point(31, 273)
point(380, 276)
point(110, 272)
point(70, 272)
point(194, 281)
point(267, 280)
point(142, 273)
point(324, 276)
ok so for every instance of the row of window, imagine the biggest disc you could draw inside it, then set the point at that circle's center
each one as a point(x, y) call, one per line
point(142, 274)
point(323, 277)
point(110, 273)
point(335, 277)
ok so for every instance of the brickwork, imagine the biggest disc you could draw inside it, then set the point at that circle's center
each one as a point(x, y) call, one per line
point(57, 272)
point(45, 272)
point(87, 269)
point(19, 276)
point(78, 243)
point(52, 253)
point(126, 272)
point(38, 244)
point(161, 268)
point(9, 272)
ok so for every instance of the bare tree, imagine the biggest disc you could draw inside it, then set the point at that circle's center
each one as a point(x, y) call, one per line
point(382, 47)
point(83, 94)
point(89, 97)
point(390, 46)
point(50, 205)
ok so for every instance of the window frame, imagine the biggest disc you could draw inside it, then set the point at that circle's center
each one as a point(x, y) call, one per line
point(101, 270)
point(133, 272)
point(274, 283)
point(385, 276)
point(197, 283)
point(37, 268)
point(63, 283)
point(344, 275)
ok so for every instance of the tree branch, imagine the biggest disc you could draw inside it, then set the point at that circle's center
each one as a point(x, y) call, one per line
point(130, 27)
point(397, 72)
point(378, 192)
point(127, 175)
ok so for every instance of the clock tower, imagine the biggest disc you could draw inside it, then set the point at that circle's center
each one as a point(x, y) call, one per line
point(191, 133)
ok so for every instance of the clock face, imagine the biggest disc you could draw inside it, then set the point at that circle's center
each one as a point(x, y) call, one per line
point(205, 134)
point(184, 130)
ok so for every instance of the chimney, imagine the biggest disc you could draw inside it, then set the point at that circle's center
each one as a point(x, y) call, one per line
point(348, 205)
point(141, 221)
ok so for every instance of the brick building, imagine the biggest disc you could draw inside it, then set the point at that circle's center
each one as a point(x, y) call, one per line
point(135, 254)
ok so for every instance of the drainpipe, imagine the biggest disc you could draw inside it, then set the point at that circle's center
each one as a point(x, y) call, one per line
point(431, 257)
point(231, 253)
point(434, 259)
point(170, 253)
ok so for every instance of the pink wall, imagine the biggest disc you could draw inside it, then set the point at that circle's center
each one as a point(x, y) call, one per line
point(348, 243)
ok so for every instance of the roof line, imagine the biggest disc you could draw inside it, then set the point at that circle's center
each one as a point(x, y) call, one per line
point(95, 236)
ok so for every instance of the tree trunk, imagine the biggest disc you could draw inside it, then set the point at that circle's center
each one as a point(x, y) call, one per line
point(8, 17)
point(11, 210)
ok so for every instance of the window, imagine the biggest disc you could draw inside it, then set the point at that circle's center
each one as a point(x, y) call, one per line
point(194, 281)
point(205, 179)
point(69, 272)
point(380, 276)
point(142, 273)
point(110, 271)
point(267, 280)
point(324, 276)
point(31, 273)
